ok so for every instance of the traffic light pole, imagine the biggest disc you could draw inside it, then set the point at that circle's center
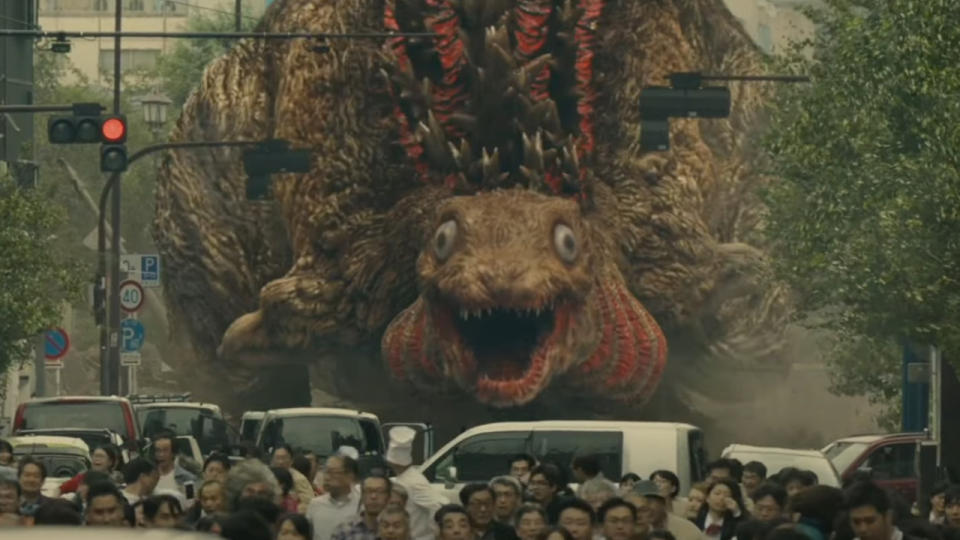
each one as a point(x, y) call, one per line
point(113, 371)
point(110, 338)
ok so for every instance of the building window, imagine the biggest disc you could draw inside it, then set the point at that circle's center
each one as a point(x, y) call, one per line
point(135, 5)
point(130, 59)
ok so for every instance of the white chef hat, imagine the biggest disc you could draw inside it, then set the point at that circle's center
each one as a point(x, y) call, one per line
point(348, 451)
point(400, 451)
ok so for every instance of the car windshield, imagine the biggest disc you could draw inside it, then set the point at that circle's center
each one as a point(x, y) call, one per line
point(205, 426)
point(843, 454)
point(321, 434)
point(776, 462)
point(250, 428)
point(92, 415)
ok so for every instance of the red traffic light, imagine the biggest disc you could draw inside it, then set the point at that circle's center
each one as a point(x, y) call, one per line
point(113, 129)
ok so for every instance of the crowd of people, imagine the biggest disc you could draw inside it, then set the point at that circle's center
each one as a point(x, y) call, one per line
point(297, 497)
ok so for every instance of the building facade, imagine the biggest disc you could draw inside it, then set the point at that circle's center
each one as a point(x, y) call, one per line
point(94, 57)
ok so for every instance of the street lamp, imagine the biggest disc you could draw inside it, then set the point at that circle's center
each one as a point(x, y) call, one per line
point(155, 111)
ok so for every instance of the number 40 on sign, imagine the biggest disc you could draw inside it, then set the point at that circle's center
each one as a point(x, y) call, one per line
point(131, 296)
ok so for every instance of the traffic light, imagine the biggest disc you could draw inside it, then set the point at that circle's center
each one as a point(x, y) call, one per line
point(87, 126)
point(113, 154)
point(683, 99)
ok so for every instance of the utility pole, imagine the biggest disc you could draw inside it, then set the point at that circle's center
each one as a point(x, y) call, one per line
point(114, 328)
point(238, 16)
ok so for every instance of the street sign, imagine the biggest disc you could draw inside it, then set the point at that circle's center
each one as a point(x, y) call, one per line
point(144, 268)
point(131, 296)
point(133, 335)
point(130, 359)
point(56, 344)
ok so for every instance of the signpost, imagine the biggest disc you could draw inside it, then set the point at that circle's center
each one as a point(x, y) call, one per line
point(131, 296)
point(143, 268)
point(56, 343)
point(133, 335)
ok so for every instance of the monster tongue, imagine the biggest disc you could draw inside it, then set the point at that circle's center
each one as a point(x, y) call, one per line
point(510, 361)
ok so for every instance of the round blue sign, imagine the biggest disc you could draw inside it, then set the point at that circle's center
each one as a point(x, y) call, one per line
point(56, 343)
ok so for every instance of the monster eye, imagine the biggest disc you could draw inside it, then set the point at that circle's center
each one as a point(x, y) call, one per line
point(565, 242)
point(444, 238)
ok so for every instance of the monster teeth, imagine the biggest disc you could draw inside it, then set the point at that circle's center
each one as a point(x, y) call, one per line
point(464, 314)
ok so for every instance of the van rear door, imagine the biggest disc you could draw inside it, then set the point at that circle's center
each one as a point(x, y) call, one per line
point(561, 446)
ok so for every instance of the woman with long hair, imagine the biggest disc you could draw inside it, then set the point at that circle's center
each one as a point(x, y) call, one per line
point(102, 459)
point(722, 510)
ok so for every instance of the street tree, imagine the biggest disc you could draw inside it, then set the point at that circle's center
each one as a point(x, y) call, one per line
point(36, 279)
point(865, 214)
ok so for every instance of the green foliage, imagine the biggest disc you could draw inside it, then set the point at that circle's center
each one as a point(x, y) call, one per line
point(865, 215)
point(181, 70)
point(36, 279)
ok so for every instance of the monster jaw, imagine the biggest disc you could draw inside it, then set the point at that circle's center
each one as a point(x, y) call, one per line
point(507, 354)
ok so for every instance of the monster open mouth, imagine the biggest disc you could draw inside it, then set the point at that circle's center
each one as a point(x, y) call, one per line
point(504, 342)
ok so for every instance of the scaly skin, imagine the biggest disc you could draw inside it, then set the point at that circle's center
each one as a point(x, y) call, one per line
point(522, 116)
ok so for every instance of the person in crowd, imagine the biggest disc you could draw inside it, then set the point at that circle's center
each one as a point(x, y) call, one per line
point(585, 468)
point(6, 454)
point(453, 523)
point(521, 465)
point(106, 506)
point(79, 496)
point(268, 510)
point(507, 495)
point(141, 477)
point(314, 474)
point(627, 481)
point(103, 459)
point(479, 500)
point(288, 501)
point(815, 511)
point(721, 469)
point(722, 511)
point(754, 474)
point(546, 486)
point(31, 474)
point(755, 529)
point(250, 478)
point(246, 525)
point(656, 516)
point(9, 497)
point(339, 501)
point(398, 495)
point(283, 458)
point(294, 527)
point(769, 502)
point(212, 524)
point(695, 499)
point(531, 521)
point(302, 465)
point(577, 517)
point(172, 476)
point(795, 480)
point(555, 533)
point(216, 467)
point(57, 512)
point(393, 524)
point(211, 501)
point(617, 519)
point(423, 502)
point(161, 512)
point(374, 497)
point(951, 508)
point(870, 513)
point(938, 503)
point(597, 491)
point(669, 485)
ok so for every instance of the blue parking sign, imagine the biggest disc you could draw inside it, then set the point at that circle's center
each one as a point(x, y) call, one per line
point(150, 270)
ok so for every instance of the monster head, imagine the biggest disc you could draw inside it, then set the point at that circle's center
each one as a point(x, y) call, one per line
point(515, 294)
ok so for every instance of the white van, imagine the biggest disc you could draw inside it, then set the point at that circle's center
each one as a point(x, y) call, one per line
point(481, 453)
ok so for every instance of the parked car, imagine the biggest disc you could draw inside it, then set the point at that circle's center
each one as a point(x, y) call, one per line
point(101, 533)
point(323, 431)
point(480, 453)
point(250, 425)
point(202, 421)
point(94, 438)
point(91, 412)
point(889, 459)
point(63, 457)
point(779, 458)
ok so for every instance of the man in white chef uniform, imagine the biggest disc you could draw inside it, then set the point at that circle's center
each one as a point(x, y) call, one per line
point(423, 500)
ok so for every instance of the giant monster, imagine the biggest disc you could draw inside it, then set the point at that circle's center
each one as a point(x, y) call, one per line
point(480, 235)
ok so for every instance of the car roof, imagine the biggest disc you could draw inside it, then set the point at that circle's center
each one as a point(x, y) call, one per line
point(253, 415)
point(745, 448)
point(320, 411)
point(178, 405)
point(872, 438)
point(50, 441)
point(583, 425)
point(77, 399)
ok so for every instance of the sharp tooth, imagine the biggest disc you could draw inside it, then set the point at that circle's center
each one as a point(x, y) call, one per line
point(463, 313)
point(538, 312)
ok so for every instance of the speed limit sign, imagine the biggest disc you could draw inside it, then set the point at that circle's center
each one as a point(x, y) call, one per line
point(131, 296)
